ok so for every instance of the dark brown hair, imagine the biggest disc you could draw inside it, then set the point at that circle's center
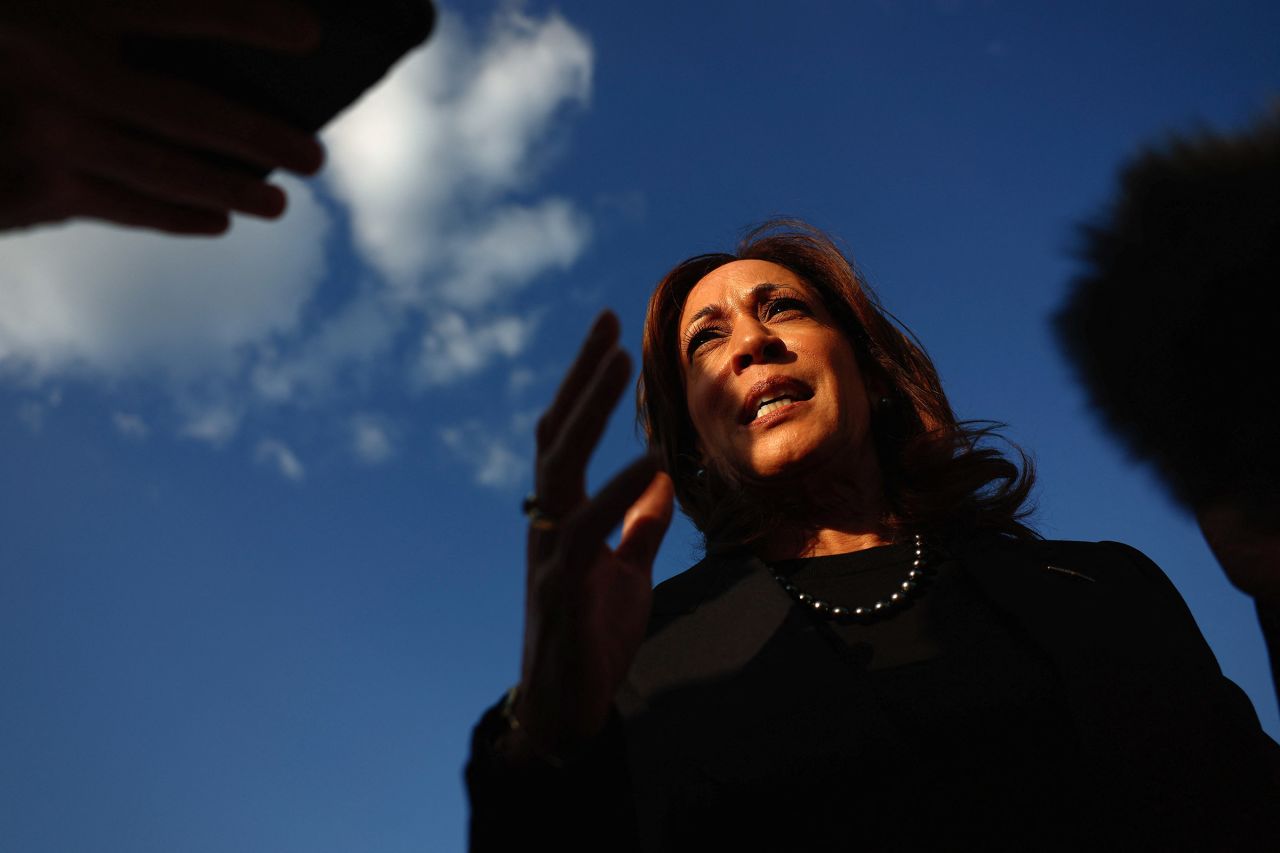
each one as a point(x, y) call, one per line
point(938, 480)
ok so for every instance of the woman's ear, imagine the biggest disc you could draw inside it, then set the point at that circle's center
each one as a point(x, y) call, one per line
point(882, 398)
point(877, 388)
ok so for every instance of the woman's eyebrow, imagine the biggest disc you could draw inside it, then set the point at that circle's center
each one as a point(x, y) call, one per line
point(755, 294)
point(766, 288)
point(705, 311)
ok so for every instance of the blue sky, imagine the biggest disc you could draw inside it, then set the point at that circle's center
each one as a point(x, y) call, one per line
point(260, 559)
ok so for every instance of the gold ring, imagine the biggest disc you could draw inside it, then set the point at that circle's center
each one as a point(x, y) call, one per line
point(538, 520)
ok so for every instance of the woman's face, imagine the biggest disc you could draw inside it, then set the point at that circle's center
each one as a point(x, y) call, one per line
point(772, 385)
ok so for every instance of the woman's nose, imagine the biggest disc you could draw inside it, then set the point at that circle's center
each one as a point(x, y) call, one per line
point(756, 345)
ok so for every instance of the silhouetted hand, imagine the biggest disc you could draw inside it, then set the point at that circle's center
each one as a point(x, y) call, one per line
point(587, 605)
point(84, 135)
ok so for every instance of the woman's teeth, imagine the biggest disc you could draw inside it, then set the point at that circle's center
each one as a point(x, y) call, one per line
point(773, 406)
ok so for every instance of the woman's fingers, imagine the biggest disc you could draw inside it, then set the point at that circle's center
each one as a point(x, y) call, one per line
point(562, 469)
point(585, 530)
point(646, 522)
point(593, 379)
point(602, 335)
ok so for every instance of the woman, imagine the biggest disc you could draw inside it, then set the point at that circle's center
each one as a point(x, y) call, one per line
point(876, 652)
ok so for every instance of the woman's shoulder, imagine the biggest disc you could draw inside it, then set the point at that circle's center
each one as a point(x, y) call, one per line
point(701, 582)
point(1110, 568)
point(1102, 554)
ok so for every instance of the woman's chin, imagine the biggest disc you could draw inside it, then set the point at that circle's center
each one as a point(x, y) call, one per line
point(812, 468)
point(779, 471)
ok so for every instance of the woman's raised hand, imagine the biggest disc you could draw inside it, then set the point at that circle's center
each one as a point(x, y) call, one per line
point(586, 604)
point(82, 134)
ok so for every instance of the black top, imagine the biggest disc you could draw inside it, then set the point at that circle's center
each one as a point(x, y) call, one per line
point(965, 688)
point(1010, 705)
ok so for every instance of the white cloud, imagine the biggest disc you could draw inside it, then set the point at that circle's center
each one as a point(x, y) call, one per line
point(130, 425)
point(214, 423)
point(501, 467)
point(110, 301)
point(454, 348)
point(370, 439)
point(527, 72)
point(279, 456)
point(517, 245)
point(360, 333)
point(493, 461)
point(424, 159)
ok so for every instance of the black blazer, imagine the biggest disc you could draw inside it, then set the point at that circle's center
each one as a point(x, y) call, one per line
point(728, 695)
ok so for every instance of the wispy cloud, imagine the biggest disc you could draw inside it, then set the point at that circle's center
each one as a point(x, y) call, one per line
point(491, 456)
point(213, 423)
point(498, 456)
point(454, 347)
point(352, 339)
point(31, 413)
point(520, 379)
point(130, 425)
point(370, 439)
point(278, 455)
point(516, 245)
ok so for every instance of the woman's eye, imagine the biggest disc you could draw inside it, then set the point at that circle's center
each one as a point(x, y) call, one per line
point(782, 305)
point(699, 338)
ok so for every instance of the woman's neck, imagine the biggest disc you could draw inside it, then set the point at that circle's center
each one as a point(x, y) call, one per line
point(837, 522)
point(827, 514)
point(789, 545)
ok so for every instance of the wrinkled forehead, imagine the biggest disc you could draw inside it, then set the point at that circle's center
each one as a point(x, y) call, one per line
point(733, 283)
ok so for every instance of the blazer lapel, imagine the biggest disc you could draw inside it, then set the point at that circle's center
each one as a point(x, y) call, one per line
point(739, 607)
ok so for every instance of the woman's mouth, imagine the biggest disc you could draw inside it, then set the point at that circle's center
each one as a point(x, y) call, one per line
point(770, 396)
point(768, 407)
point(775, 409)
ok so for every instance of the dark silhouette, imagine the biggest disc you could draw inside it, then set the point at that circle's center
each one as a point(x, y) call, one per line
point(168, 114)
point(1174, 328)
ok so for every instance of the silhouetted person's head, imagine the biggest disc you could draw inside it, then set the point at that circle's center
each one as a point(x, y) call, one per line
point(1173, 325)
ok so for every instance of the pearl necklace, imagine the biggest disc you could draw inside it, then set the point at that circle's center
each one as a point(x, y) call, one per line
point(880, 608)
